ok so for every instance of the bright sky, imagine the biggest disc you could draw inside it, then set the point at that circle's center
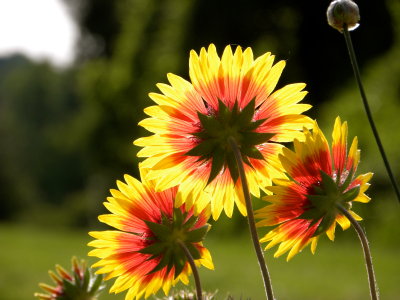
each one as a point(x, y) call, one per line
point(41, 29)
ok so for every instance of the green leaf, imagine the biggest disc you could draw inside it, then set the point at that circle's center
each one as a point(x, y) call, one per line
point(77, 279)
point(179, 261)
point(329, 185)
point(70, 289)
point(256, 138)
point(204, 148)
point(318, 190)
point(154, 249)
point(210, 124)
point(234, 113)
point(247, 114)
point(190, 222)
point(311, 214)
point(254, 125)
point(86, 279)
point(318, 201)
point(203, 135)
point(247, 161)
point(194, 252)
point(164, 262)
point(351, 194)
point(97, 284)
point(347, 182)
point(162, 232)
point(252, 152)
point(218, 161)
point(198, 234)
point(232, 165)
point(325, 224)
point(178, 217)
point(179, 264)
point(224, 114)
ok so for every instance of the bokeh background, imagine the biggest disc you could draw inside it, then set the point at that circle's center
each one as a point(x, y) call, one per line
point(66, 134)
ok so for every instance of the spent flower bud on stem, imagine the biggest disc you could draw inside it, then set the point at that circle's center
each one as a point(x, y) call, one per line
point(342, 13)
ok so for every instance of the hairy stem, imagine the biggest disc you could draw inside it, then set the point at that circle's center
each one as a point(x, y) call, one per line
point(196, 276)
point(250, 218)
point(367, 253)
point(357, 75)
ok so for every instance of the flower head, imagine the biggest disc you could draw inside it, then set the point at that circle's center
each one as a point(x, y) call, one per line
point(342, 13)
point(306, 205)
point(80, 285)
point(229, 98)
point(145, 252)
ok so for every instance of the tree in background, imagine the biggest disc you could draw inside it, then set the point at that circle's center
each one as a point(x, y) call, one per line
point(67, 134)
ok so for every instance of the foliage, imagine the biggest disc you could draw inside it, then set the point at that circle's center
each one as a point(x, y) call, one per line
point(66, 132)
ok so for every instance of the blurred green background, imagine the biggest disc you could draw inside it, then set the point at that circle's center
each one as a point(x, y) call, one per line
point(66, 134)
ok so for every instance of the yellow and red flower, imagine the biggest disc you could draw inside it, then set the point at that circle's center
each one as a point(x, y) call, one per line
point(229, 99)
point(306, 205)
point(145, 252)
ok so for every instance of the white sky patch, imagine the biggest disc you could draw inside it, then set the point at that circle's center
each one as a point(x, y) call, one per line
point(40, 29)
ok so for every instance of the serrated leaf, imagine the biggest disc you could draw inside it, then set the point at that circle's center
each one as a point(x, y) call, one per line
point(254, 125)
point(347, 182)
point(198, 234)
point(247, 114)
point(165, 219)
point(70, 289)
point(318, 200)
point(161, 231)
point(256, 138)
point(210, 124)
point(78, 281)
point(203, 149)
point(247, 161)
point(234, 113)
point(178, 217)
point(164, 262)
point(233, 166)
point(223, 112)
point(318, 190)
point(351, 194)
point(96, 284)
point(190, 222)
point(311, 214)
point(203, 135)
point(179, 261)
point(329, 185)
point(154, 249)
point(325, 224)
point(252, 152)
point(194, 252)
point(217, 163)
point(86, 279)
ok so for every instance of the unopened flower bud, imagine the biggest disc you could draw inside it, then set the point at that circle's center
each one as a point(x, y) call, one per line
point(80, 284)
point(342, 13)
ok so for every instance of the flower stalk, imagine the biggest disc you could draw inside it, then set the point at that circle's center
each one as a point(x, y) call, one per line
point(250, 218)
point(357, 75)
point(367, 253)
point(196, 276)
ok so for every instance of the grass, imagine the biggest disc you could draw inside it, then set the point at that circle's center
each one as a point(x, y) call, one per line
point(335, 272)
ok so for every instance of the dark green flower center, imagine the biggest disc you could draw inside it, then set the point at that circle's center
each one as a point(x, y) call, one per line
point(217, 130)
point(326, 196)
point(168, 237)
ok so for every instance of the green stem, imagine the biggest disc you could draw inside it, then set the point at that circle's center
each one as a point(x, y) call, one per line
point(357, 75)
point(367, 253)
point(194, 270)
point(250, 218)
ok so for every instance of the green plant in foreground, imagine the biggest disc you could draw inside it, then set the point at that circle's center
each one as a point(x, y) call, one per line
point(82, 284)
